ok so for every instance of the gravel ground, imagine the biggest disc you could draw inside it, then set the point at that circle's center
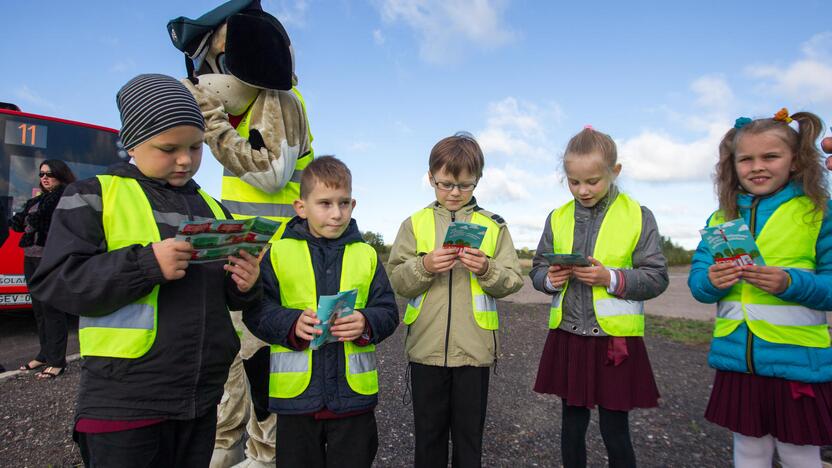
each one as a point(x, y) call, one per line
point(522, 427)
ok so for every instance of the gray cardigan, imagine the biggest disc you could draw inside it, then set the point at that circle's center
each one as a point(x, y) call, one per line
point(646, 280)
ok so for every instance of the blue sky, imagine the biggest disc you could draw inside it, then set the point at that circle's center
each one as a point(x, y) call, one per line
point(385, 79)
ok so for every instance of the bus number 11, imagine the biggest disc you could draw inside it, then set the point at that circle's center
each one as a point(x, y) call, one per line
point(32, 129)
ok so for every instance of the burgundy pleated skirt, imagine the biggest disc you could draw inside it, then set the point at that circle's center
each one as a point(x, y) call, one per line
point(792, 412)
point(612, 372)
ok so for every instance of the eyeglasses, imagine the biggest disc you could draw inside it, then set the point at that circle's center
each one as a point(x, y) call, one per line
point(41, 175)
point(448, 186)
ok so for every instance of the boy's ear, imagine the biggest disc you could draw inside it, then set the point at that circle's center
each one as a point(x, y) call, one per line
point(353, 203)
point(300, 208)
point(617, 169)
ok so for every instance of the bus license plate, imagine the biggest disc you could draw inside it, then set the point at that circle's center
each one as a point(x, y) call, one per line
point(15, 299)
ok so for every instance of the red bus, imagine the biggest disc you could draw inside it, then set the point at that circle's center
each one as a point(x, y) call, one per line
point(26, 140)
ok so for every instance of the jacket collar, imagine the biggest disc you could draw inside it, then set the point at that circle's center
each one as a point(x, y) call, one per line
point(466, 210)
point(298, 228)
point(789, 191)
point(128, 170)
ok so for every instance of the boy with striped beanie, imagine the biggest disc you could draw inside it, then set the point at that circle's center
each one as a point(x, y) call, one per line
point(154, 331)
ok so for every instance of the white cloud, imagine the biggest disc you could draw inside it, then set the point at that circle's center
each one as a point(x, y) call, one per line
point(444, 27)
point(713, 91)
point(656, 156)
point(122, 66)
point(807, 80)
point(25, 94)
point(289, 12)
point(507, 184)
point(360, 146)
point(378, 37)
point(518, 129)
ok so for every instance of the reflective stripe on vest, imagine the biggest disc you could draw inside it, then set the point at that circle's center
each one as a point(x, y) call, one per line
point(617, 238)
point(291, 371)
point(246, 201)
point(788, 241)
point(484, 306)
point(127, 217)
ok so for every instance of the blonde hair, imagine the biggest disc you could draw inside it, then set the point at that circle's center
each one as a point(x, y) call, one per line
point(808, 173)
point(589, 141)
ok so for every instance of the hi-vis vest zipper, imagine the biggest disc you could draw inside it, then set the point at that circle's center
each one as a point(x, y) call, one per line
point(787, 240)
point(291, 371)
point(245, 201)
point(484, 306)
point(617, 238)
point(128, 219)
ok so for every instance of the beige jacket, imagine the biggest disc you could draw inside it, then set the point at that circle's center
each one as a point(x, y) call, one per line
point(446, 334)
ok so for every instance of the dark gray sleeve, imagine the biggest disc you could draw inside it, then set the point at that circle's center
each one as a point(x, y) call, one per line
point(648, 278)
point(540, 266)
point(77, 274)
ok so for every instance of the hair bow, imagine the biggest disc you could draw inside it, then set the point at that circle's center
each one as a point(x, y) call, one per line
point(742, 122)
point(783, 116)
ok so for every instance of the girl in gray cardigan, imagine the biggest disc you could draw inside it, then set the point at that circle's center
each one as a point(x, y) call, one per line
point(594, 353)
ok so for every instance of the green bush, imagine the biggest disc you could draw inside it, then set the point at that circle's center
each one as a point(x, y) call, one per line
point(675, 254)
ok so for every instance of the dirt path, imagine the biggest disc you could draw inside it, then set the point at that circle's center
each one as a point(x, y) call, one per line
point(522, 428)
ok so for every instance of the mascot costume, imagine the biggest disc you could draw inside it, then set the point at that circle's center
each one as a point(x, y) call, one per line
point(240, 68)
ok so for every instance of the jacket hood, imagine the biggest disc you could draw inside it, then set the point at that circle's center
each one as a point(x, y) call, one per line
point(298, 228)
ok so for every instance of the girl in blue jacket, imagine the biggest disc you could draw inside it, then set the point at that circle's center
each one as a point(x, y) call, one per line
point(771, 346)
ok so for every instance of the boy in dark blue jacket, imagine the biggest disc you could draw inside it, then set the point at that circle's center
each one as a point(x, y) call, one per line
point(324, 398)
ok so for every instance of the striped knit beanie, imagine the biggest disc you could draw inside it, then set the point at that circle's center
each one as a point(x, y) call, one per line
point(150, 104)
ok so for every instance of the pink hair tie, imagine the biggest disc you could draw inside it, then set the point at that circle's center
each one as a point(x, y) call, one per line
point(588, 127)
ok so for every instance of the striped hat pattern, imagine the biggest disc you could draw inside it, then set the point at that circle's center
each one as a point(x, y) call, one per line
point(150, 104)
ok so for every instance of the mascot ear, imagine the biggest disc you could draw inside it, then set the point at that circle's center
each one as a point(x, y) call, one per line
point(257, 50)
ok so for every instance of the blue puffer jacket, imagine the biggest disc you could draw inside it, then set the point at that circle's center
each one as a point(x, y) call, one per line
point(812, 290)
point(273, 323)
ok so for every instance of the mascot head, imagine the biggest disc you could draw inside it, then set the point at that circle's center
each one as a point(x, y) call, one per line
point(237, 39)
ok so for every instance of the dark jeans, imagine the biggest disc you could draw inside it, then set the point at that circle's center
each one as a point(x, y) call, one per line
point(615, 430)
point(51, 323)
point(188, 443)
point(449, 399)
point(303, 441)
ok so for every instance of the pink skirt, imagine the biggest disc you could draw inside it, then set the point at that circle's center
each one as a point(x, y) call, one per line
point(612, 372)
point(791, 412)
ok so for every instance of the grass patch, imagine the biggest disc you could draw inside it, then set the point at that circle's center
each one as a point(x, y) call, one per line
point(680, 330)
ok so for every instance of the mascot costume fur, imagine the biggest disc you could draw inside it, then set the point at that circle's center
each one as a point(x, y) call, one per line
point(241, 71)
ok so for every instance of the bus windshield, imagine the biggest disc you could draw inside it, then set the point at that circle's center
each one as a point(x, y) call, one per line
point(26, 140)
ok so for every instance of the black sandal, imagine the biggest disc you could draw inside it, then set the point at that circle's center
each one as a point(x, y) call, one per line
point(28, 366)
point(46, 375)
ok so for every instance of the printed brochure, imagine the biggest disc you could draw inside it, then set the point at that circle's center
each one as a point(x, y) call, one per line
point(461, 235)
point(330, 309)
point(215, 239)
point(732, 242)
point(575, 259)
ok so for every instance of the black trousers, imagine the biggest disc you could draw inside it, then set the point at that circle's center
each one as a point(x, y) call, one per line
point(303, 441)
point(188, 443)
point(615, 430)
point(449, 399)
point(51, 323)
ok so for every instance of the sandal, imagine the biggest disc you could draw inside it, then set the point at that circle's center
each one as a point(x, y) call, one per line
point(28, 366)
point(47, 375)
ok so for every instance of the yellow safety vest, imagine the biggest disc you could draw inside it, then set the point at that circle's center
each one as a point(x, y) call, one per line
point(617, 238)
point(291, 371)
point(787, 240)
point(246, 201)
point(128, 219)
point(484, 306)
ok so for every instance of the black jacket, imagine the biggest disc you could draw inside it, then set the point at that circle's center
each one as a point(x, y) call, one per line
point(183, 373)
point(35, 224)
point(273, 323)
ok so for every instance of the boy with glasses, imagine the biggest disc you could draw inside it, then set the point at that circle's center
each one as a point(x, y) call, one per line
point(452, 314)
